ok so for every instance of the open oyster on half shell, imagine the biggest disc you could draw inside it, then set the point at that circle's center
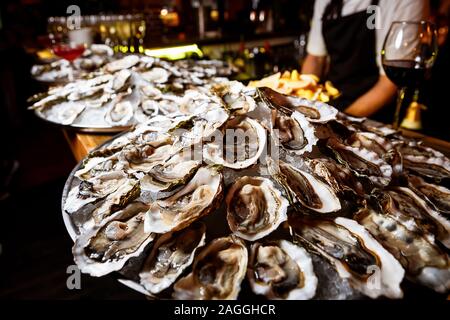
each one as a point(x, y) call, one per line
point(281, 270)
point(196, 199)
point(217, 272)
point(304, 188)
point(171, 254)
point(241, 145)
point(354, 253)
point(255, 207)
point(107, 247)
point(424, 261)
point(314, 111)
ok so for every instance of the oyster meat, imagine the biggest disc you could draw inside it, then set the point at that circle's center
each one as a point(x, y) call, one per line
point(422, 259)
point(196, 199)
point(281, 270)
point(304, 188)
point(255, 207)
point(294, 132)
point(217, 272)
point(171, 254)
point(168, 175)
point(241, 146)
point(438, 196)
point(106, 248)
point(314, 111)
point(354, 253)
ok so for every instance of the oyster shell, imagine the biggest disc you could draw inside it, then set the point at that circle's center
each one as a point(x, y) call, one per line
point(339, 177)
point(143, 158)
point(196, 199)
point(370, 141)
point(424, 161)
point(217, 272)
point(120, 113)
point(94, 189)
point(124, 63)
point(295, 133)
point(124, 194)
point(106, 248)
point(437, 196)
point(354, 253)
point(156, 75)
point(171, 254)
point(304, 188)
point(67, 115)
point(243, 144)
point(412, 211)
point(314, 111)
point(238, 98)
point(171, 173)
point(422, 259)
point(121, 81)
point(281, 270)
point(255, 208)
point(362, 162)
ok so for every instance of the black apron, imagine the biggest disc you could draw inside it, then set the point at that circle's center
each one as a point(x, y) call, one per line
point(351, 47)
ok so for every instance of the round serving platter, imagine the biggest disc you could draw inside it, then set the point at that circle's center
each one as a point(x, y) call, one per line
point(82, 128)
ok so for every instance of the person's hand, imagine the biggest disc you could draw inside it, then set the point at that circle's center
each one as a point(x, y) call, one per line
point(314, 65)
point(373, 100)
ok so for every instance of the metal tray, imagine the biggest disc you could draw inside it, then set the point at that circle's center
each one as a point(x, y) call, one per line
point(83, 128)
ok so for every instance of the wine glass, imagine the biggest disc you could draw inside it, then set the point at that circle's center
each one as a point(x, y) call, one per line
point(409, 52)
point(69, 51)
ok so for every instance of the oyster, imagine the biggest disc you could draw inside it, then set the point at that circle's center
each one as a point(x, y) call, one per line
point(156, 75)
point(339, 177)
point(281, 270)
point(370, 141)
point(354, 253)
point(217, 272)
point(424, 161)
point(124, 63)
point(121, 80)
point(412, 211)
point(124, 194)
point(106, 248)
point(422, 259)
point(255, 208)
point(93, 189)
point(200, 127)
point(168, 175)
point(151, 92)
point(97, 165)
point(67, 115)
point(304, 188)
point(171, 254)
point(295, 133)
point(120, 113)
point(362, 162)
point(437, 196)
point(196, 199)
point(314, 111)
point(143, 158)
point(238, 98)
point(242, 145)
point(146, 110)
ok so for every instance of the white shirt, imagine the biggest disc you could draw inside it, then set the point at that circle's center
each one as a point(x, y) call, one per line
point(389, 11)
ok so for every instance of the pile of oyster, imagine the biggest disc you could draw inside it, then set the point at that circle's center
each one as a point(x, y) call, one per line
point(92, 59)
point(311, 204)
point(127, 91)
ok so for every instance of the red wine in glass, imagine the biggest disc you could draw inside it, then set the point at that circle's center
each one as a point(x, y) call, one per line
point(409, 52)
point(405, 73)
point(68, 52)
